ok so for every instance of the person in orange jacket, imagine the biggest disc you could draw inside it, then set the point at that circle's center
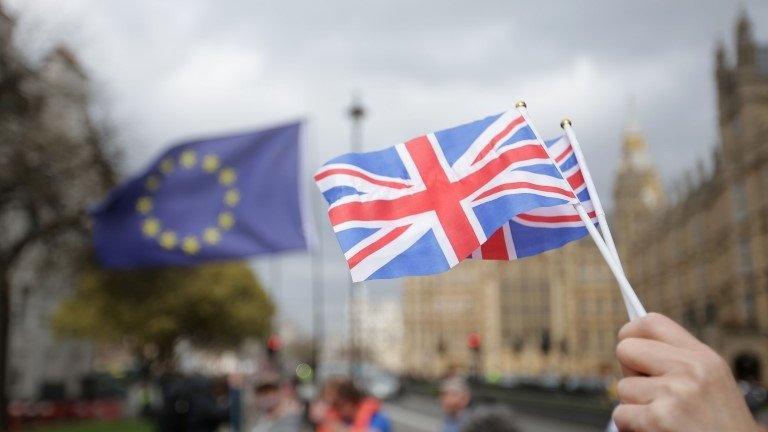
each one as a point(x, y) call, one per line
point(352, 411)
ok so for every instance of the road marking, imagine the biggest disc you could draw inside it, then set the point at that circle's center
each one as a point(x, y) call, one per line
point(413, 419)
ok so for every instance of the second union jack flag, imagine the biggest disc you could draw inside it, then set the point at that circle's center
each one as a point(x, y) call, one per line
point(425, 205)
point(546, 228)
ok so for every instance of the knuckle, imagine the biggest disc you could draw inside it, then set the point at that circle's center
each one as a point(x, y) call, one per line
point(714, 363)
point(617, 412)
point(620, 348)
point(625, 330)
point(655, 415)
point(651, 323)
point(618, 415)
point(668, 388)
point(621, 417)
point(622, 387)
point(661, 417)
point(624, 348)
point(683, 388)
point(698, 371)
point(645, 323)
point(707, 366)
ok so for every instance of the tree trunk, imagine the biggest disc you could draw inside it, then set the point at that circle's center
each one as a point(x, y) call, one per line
point(5, 341)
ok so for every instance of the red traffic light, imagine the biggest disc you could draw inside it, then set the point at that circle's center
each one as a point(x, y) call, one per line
point(474, 341)
point(274, 343)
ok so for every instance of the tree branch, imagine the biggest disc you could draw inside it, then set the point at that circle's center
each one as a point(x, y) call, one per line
point(44, 231)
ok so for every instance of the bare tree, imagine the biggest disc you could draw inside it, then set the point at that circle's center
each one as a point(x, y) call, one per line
point(50, 172)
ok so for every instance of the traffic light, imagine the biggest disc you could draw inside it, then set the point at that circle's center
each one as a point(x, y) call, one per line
point(274, 343)
point(474, 341)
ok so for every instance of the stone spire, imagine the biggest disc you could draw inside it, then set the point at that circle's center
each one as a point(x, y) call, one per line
point(637, 190)
point(745, 43)
point(634, 148)
point(6, 26)
point(721, 59)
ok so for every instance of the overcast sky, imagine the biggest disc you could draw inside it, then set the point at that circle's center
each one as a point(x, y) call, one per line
point(171, 69)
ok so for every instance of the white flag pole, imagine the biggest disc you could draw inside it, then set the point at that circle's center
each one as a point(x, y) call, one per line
point(567, 125)
point(626, 289)
point(631, 301)
point(633, 312)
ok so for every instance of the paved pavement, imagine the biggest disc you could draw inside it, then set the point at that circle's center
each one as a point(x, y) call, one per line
point(421, 414)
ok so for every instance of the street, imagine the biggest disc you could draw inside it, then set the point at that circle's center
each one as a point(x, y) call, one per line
point(413, 413)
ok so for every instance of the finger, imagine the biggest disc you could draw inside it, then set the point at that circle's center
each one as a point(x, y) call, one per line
point(649, 357)
point(627, 372)
point(631, 418)
point(639, 390)
point(658, 327)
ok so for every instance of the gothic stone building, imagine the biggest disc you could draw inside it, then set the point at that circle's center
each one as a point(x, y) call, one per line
point(553, 314)
point(703, 260)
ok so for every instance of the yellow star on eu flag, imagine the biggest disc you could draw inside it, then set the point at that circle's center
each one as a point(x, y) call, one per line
point(188, 159)
point(152, 183)
point(144, 205)
point(211, 235)
point(168, 240)
point(227, 176)
point(166, 165)
point(232, 197)
point(150, 227)
point(211, 163)
point(190, 245)
point(226, 220)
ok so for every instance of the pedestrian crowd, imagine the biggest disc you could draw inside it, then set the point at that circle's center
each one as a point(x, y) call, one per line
point(672, 382)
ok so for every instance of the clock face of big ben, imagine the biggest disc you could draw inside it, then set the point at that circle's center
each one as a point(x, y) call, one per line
point(649, 196)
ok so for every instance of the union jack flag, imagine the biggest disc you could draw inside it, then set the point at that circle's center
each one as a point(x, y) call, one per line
point(546, 228)
point(424, 205)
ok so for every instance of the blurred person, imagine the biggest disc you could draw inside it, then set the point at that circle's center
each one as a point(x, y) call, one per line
point(353, 411)
point(235, 380)
point(321, 412)
point(278, 411)
point(746, 369)
point(173, 412)
point(289, 391)
point(490, 419)
point(453, 371)
point(673, 382)
point(208, 405)
point(455, 396)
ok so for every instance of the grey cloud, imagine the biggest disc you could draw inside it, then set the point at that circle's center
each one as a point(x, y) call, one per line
point(179, 68)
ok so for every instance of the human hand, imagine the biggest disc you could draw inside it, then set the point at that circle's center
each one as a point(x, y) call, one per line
point(673, 382)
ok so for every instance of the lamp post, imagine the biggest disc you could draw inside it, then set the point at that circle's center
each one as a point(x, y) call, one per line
point(356, 114)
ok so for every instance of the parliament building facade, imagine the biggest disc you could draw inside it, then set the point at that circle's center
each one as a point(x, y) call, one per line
point(701, 258)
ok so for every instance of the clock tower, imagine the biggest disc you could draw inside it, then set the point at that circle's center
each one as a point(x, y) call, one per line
point(638, 193)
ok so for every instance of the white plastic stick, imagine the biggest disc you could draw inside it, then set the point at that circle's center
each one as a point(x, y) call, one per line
point(596, 203)
point(632, 311)
point(610, 255)
point(595, 198)
point(631, 302)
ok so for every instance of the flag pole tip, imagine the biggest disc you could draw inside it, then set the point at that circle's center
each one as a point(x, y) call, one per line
point(521, 104)
point(566, 122)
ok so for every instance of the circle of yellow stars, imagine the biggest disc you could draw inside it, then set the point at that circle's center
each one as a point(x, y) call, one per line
point(152, 227)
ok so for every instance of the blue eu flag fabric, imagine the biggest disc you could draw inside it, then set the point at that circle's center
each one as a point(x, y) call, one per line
point(210, 199)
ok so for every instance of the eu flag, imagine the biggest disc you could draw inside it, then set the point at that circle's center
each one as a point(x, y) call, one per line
point(210, 199)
